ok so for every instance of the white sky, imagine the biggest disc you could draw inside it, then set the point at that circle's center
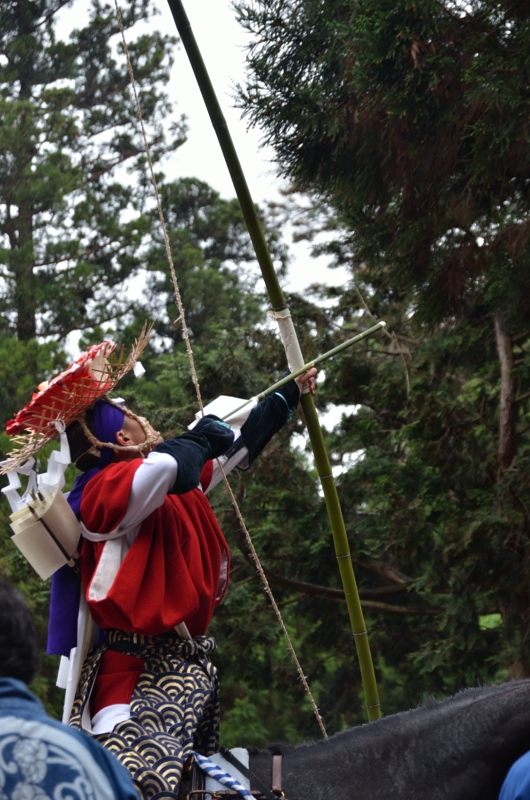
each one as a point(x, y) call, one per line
point(222, 43)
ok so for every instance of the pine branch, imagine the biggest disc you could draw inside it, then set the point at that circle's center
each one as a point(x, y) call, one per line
point(52, 13)
point(386, 570)
point(367, 596)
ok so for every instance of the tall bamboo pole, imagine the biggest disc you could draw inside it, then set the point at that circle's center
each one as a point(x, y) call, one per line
point(322, 463)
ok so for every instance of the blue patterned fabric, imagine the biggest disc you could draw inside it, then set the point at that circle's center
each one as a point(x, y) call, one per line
point(41, 758)
point(517, 783)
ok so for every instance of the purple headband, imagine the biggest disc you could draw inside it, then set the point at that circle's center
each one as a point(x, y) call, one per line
point(108, 420)
point(66, 585)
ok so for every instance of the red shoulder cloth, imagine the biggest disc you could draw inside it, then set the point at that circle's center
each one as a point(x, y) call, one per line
point(172, 571)
point(106, 496)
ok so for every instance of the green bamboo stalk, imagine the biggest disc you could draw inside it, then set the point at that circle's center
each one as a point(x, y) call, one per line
point(300, 371)
point(278, 304)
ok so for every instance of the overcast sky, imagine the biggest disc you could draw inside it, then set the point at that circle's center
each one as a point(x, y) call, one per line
point(222, 43)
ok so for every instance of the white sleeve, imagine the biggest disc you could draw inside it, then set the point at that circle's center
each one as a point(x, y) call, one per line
point(237, 460)
point(152, 481)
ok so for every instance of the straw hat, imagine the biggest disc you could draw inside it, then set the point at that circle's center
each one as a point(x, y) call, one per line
point(66, 397)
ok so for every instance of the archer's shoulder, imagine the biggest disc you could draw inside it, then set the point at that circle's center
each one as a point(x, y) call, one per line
point(106, 496)
point(120, 471)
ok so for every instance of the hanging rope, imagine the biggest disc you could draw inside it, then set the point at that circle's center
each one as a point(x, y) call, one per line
point(275, 605)
point(189, 349)
point(178, 298)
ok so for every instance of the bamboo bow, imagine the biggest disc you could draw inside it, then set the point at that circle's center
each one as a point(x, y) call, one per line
point(280, 310)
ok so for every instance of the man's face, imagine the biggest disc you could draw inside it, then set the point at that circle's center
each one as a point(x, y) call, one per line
point(132, 433)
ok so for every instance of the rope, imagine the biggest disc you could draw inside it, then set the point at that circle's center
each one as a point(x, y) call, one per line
point(219, 774)
point(277, 611)
point(197, 387)
point(178, 297)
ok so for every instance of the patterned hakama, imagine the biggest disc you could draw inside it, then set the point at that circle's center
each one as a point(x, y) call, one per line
point(174, 708)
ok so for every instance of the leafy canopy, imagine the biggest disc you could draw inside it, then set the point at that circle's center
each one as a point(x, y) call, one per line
point(72, 222)
point(411, 119)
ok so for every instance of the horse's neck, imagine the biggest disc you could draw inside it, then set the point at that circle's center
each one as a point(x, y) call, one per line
point(460, 748)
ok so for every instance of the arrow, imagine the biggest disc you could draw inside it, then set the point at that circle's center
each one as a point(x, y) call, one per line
point(309, 365)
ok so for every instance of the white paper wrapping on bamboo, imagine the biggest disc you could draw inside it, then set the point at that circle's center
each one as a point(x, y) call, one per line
point(295, 359)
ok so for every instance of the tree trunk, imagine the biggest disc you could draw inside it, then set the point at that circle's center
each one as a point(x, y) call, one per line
point(23, 263)
point(23, 258)
point(508, 404)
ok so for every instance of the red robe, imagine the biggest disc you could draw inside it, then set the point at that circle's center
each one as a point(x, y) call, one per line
point(171, 573)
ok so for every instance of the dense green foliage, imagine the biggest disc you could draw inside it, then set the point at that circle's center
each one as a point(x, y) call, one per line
point(71, 228)
point(90, 233)
point(412, 119)
point(408, 123)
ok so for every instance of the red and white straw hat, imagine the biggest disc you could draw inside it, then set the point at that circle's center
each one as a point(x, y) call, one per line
point(66, 397)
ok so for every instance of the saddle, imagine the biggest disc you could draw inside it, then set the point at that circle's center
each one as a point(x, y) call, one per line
point(194, 781)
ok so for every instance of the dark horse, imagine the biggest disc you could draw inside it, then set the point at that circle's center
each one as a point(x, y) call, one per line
point(457, 749)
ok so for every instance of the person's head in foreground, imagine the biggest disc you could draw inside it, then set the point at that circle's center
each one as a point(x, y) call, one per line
point(18, 638)
point(45, 758)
